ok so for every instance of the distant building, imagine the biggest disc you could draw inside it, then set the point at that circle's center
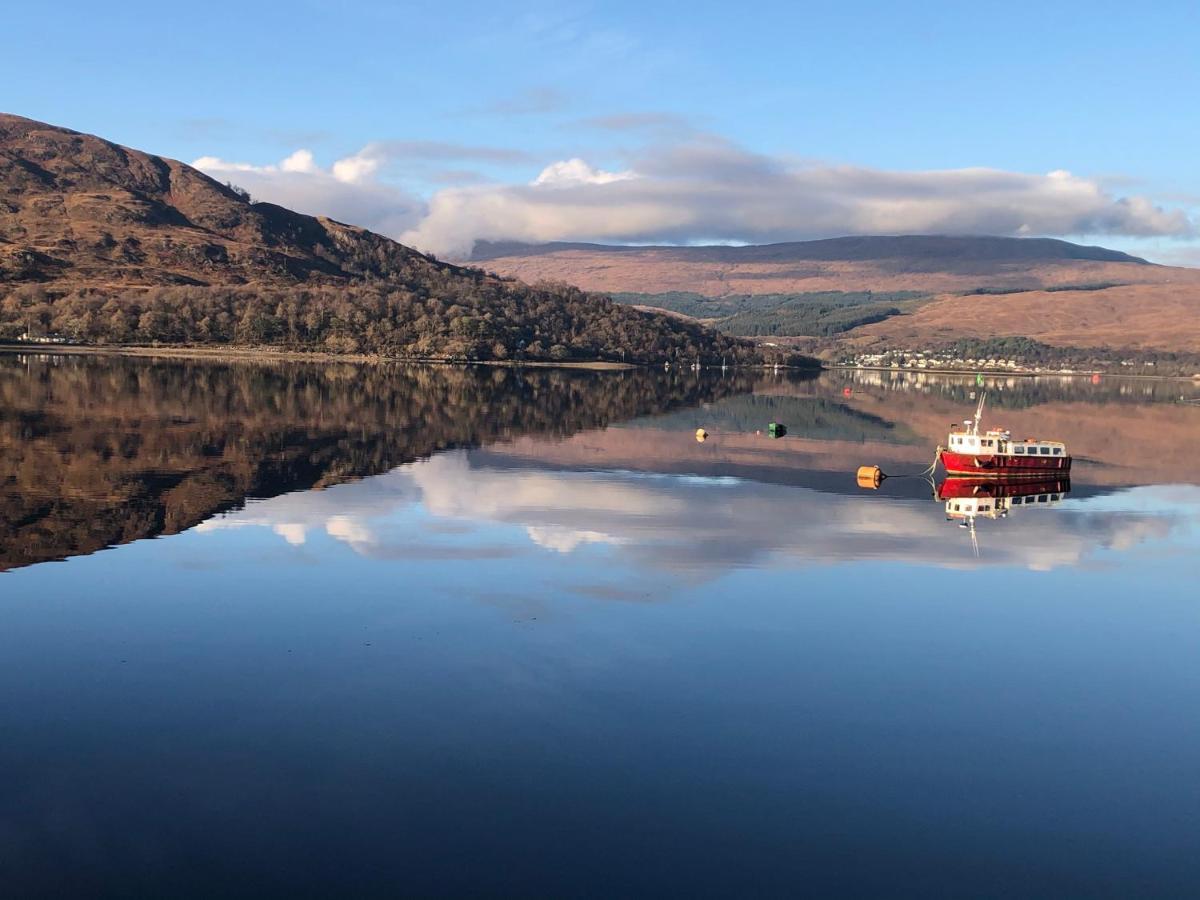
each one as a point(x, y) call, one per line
point(28, 338)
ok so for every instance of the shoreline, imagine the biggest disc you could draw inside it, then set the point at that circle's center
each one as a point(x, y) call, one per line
point(266, 355)
point(248, 354)
point(252, 354)
point(1008, 373)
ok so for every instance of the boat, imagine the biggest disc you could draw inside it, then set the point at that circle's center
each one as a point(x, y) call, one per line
point(995, 453)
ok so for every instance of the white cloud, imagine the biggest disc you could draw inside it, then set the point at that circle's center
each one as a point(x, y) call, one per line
point(573, 172)
point(699, 188)
point(300, 161)
point(348, 191)
point(360, 166)
point(710, 190)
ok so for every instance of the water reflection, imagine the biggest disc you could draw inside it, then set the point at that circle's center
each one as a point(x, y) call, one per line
point(96, 452)
point(696, 525)
point(969, 498)
point(426, 620)
point(99, 452)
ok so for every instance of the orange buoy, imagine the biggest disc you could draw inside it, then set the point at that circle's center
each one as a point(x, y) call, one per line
point(870, 477)
point(701, 435)
point(846, 392)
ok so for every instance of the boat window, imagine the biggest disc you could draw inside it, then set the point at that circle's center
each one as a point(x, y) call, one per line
point(1054, 497)
point(987, 443)
point(1017, 501)
point(984, 507)
point(1058, 451)
point(1045, 451)
point(1042, 498)
point(1019, 449)
point(957, 507)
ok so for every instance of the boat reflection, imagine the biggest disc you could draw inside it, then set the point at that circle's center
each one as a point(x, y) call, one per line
point(968, 499)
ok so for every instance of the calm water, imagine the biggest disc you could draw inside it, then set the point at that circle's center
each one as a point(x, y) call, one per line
point(436, 632)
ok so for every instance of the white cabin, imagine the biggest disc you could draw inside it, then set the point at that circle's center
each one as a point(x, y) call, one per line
point(967, 508)
point(997, 442)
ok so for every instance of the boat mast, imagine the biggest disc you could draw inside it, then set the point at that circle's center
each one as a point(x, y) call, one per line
point(979, 413)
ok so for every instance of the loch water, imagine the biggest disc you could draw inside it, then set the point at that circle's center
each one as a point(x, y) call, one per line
point(333, 630)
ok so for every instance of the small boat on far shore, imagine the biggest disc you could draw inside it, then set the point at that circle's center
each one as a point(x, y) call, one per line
point(996, 454)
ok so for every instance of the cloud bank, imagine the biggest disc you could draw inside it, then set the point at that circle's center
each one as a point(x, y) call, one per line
point(702, 189)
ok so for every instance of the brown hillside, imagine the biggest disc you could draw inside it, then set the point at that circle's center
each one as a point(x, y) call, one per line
point(1136, 316)
point(1148, 307)
point(77, 209)
point(103, 244)
point(905, 263)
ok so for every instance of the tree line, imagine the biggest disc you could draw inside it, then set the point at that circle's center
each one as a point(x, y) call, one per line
point(440, 315)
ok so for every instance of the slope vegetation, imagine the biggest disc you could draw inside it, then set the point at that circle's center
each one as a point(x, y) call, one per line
point(907, 291)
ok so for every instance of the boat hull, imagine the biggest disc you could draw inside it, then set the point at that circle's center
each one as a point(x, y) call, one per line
point(964, 488)
point(997, 466)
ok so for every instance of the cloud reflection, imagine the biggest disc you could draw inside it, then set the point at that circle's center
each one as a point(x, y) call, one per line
point(697, 525)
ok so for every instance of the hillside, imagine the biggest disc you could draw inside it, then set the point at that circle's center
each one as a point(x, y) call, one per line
point(103, 244)
point(930, 264)
point(905, 291)
point(935, 250)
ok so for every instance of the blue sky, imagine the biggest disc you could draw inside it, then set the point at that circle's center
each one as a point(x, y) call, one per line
point(669, 108)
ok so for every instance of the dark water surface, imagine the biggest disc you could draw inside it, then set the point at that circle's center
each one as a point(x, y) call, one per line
point(416, 632)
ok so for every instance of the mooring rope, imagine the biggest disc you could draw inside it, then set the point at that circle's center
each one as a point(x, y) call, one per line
point(927, 472)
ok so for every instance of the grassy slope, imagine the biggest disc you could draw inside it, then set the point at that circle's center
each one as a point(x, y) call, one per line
point(1066, 302)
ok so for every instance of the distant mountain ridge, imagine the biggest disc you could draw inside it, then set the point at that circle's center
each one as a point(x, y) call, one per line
point(846, 295)
point(944, 248)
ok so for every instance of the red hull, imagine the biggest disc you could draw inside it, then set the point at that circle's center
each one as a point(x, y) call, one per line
point(1004, 466)
point(960, 488)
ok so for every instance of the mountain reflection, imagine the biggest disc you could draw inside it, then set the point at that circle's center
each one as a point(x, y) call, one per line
point(96, 451)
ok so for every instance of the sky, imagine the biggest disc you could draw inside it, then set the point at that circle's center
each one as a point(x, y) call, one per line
point(445, 123)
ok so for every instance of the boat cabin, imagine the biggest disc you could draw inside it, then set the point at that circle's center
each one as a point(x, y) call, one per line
point(997, 507)
point(998, 442)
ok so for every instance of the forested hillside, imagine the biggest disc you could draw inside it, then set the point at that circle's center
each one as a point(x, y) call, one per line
point(103, 244)
point(815, 313)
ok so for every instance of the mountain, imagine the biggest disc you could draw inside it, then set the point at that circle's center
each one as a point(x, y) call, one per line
point(104, 244)
point(80, 210)
point(874, 292)
point(924, 263)
point(933, 250)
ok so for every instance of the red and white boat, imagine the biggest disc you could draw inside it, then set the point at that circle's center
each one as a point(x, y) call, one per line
point(995, 453)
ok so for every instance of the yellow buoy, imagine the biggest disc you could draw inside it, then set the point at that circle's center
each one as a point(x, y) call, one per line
point(870, 477)
point(701, 434)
